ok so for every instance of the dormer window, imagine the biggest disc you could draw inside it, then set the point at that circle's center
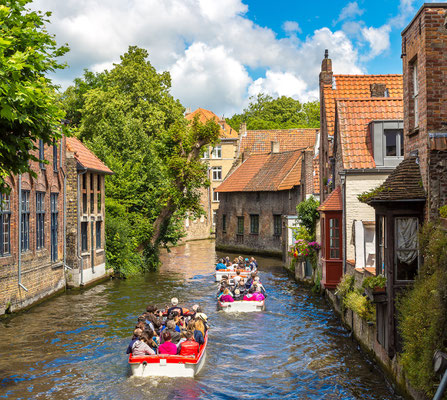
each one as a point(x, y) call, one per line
point(387, 142)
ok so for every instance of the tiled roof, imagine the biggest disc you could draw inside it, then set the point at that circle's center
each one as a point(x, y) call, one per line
point(226, 131)
point(356, 86)
point(404, 183)
point(259, 141)
point(265, 173)
point(85, 157)
point(354, 115)
point(333, 202)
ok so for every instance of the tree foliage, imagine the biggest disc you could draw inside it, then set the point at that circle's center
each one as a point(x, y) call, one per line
point(265, 112)
point(129, 119)
point(28, 108)
point(308, 214)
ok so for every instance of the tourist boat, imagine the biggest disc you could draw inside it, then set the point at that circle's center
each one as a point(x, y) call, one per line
point(230, 273)
point(168, 365)
point(242, 306)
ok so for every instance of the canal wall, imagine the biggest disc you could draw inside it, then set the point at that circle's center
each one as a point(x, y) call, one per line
point(365, 334)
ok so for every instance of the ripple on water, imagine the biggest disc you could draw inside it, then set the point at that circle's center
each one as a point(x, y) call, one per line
point(73, 347)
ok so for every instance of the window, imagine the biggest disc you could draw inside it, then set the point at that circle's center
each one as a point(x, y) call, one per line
point(224, 223)
point(394, 142)
point(206, 153)
point(5, 224)
point(24, 237)
point(55, 156)
point(92, 182)
point(84, 241)
point(84, 181)
point(334, 238)
point(254, 224)
point(217, 152)
point(217, 173)
point(381, 242)
point(41, 154)
point(215, 196)
point(99, 195)
point(277, 225)
point(240, 225)
point(98, 234)
point(54, 226)
point(92, 203)
point(40, 220)
point(214, 217)
point(406, 255)
point(415, 93)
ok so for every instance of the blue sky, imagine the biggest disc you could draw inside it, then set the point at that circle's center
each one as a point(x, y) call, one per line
point(221, 52)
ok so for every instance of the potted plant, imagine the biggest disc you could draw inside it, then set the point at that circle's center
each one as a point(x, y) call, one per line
point(375, 288)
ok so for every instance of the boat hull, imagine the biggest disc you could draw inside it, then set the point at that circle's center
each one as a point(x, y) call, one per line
point(171, 366)
point(242, 306)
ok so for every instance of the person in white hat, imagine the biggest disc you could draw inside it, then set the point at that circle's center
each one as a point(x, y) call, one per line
point(175, 306)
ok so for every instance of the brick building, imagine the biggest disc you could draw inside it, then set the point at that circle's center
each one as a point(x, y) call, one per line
point(219, 159)
point(418, 187)
point(32, 229)
point(254, 199)
point(85, 214)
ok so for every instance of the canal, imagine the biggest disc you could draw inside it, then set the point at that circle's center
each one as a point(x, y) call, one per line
point(73, 346)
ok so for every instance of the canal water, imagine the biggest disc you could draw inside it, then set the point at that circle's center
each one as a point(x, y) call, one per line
point(73, 346)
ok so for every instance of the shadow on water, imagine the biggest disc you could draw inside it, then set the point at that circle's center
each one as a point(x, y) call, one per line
point(73, 346)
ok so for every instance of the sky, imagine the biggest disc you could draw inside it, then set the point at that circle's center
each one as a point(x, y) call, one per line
point(221, 52)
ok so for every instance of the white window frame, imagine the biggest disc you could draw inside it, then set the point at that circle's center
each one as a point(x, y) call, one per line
point(217, 173)
point(217, 152)
point(206, 154)
point(215, 196)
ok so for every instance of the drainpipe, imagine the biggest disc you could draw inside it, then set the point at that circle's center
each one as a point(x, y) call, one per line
point(20, 234)
point(343, 194)
point(78, 247)
point(440, 367)
point(65, 215)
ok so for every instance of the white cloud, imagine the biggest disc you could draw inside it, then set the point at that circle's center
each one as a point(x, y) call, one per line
point(378, 40)
point(351, 10)
point(207, 45)
point(291, 27)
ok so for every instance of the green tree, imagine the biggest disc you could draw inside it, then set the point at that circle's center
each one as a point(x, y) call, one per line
point(28, 108)
point(131, 121)
point(308, 214)
point(265, 112)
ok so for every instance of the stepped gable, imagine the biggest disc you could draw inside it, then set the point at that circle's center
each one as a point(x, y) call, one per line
point(259, 141)
point(333, 202)
point(226, 131)
point(404, 183)
point(85, 157)
point(265, 172)
point(356, 86)
point(354, 116)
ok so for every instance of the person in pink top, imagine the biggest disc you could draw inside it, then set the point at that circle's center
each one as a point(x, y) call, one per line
point(249, 296)
point(226, 297)
point(167, 347)
point(257, 295)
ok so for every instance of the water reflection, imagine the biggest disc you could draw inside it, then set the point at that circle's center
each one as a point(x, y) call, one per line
point(73, 346)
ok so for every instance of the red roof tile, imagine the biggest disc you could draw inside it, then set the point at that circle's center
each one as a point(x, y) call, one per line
point(333, 202)
point(354, 116)
point(356, 86)
point(85, 157)
point(259, 141)
point(226, 131)
point(265, 172)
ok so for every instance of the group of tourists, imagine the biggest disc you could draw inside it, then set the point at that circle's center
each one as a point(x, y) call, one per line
point(234, 287)
point(239, 263)
point(174, 330)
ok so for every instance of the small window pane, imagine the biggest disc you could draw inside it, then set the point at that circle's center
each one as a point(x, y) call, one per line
point(390, 143)
point(240, 225)
point(254, 224)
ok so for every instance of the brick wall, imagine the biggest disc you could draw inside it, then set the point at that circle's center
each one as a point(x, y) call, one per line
point(39, 274)
point(264, 204)
point(307, 176)
point(424, 44)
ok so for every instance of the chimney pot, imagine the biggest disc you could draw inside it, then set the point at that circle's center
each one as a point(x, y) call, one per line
point(378, 90)
point(274, 147)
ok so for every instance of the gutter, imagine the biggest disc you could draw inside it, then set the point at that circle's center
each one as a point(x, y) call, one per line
point(20, 236)
point(343, 184)
point(65, 211)
point(78, 247)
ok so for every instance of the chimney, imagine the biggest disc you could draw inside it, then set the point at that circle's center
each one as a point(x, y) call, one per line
point(243, 129)
point(188, 111)
point(326, 69)
point(274, 147)
point(378, 90)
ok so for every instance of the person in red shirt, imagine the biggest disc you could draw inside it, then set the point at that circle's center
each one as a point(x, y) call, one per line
point(167, 347)
point(189, 347)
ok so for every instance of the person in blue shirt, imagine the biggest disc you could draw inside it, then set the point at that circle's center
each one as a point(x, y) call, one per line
point(221, 265)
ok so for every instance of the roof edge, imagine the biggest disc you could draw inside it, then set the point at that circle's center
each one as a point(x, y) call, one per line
point(425, 5)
